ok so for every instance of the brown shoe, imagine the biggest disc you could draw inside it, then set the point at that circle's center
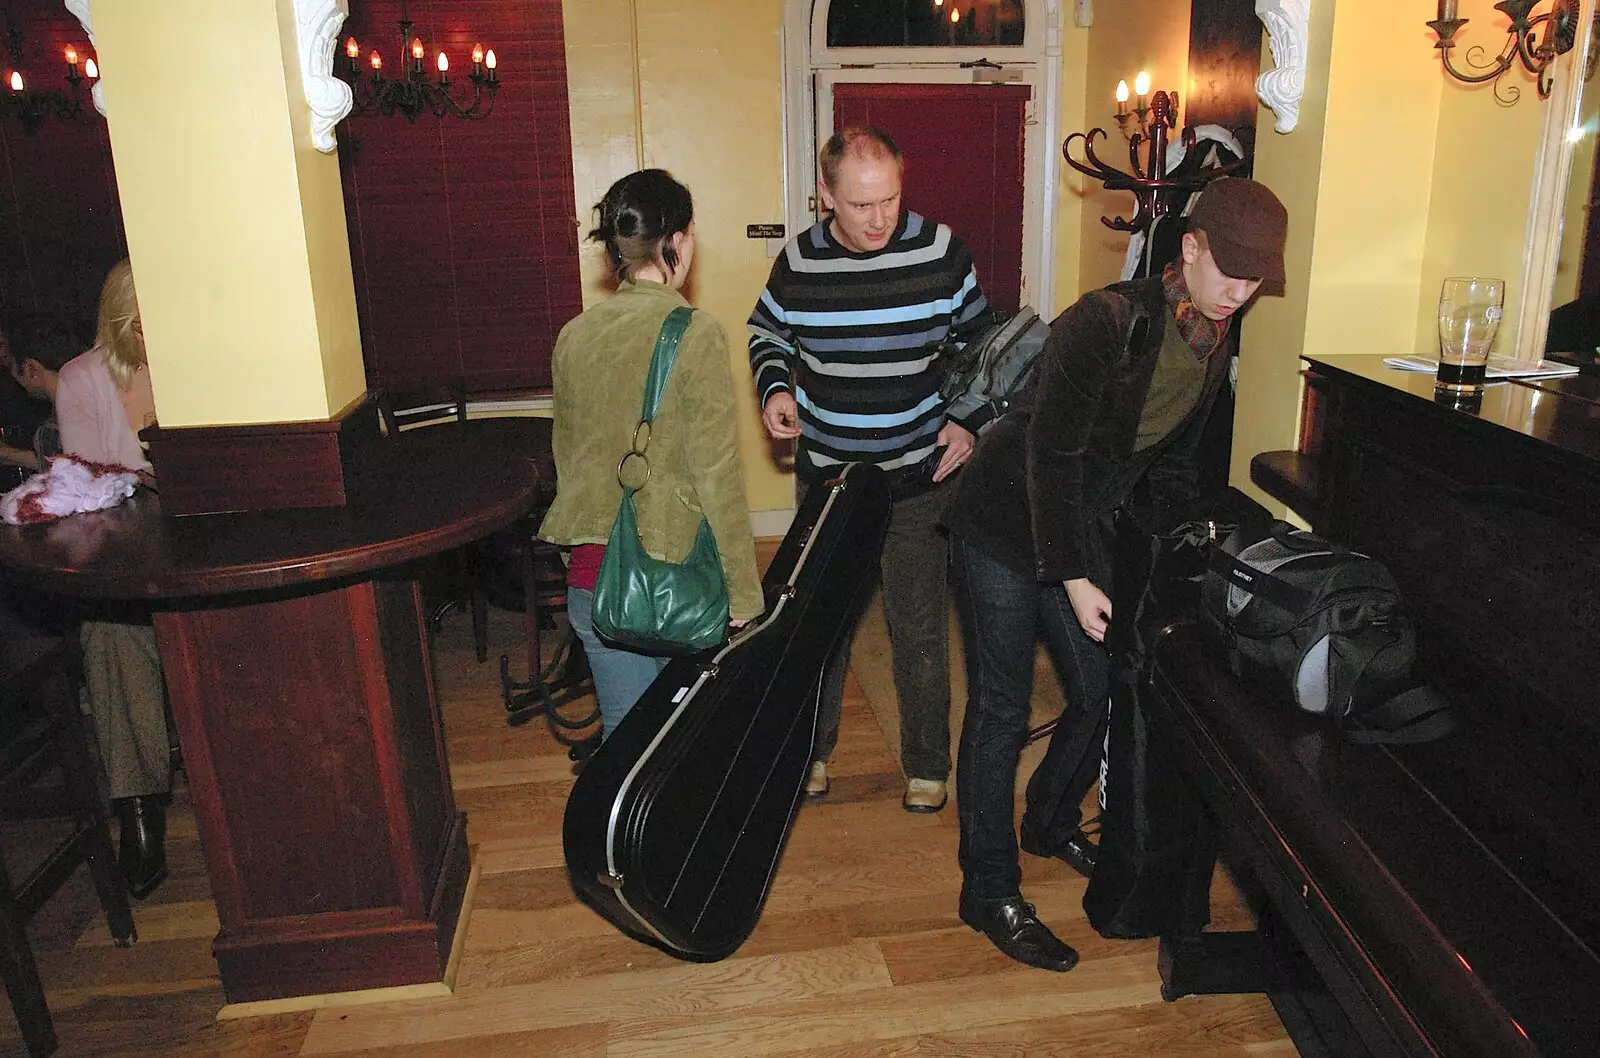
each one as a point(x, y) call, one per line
point(817, 782)
point(924, 795)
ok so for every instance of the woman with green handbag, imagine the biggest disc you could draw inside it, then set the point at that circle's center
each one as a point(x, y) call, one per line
point(679, 460)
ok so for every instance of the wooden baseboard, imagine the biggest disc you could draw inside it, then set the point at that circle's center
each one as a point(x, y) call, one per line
point(361, 997)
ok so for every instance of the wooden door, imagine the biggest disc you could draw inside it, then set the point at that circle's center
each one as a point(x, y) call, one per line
point(964, 149)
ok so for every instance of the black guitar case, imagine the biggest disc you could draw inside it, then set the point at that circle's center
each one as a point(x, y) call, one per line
point(674, 828)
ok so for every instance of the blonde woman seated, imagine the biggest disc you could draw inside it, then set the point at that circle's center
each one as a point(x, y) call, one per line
point(599, 367)
point(103, 399)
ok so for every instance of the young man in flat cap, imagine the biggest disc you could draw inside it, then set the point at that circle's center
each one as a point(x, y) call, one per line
point(1125, 384)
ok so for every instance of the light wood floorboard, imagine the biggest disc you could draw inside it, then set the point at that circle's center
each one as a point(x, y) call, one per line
point(859, 953)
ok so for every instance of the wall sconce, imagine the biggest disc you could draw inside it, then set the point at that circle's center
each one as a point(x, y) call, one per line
point(33, 105)
point(1141, 109)
point(1152, 185)
point(1560, 34)
point(413, 93)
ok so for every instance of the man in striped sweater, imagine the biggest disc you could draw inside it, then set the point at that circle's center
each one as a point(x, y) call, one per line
point(843, 348)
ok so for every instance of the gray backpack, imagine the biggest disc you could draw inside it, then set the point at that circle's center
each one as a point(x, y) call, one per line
point(995, 368)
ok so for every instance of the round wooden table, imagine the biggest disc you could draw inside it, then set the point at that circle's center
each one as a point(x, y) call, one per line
point(297, 664)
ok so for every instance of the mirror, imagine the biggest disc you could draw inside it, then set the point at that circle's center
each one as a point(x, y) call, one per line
point(1567, 200)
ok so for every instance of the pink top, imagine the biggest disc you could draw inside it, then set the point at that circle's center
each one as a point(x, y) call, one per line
point(584, 570)
point(93, 424)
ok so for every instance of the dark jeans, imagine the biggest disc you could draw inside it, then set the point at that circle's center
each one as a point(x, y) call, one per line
point(1002, 612)
point(914, 564)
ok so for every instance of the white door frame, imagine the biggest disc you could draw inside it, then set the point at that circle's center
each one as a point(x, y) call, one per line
point(808, 75)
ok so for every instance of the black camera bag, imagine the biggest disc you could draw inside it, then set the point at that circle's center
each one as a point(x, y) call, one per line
point(1321, 625)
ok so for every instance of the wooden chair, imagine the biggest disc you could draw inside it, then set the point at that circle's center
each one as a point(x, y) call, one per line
point(45, 732)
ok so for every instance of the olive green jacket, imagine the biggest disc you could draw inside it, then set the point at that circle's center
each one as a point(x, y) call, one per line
point(599, 367)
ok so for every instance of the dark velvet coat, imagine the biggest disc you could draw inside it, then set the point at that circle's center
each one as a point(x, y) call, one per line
point(1045, 480)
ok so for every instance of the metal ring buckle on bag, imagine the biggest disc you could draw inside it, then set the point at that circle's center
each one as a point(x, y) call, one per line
point(641, 442)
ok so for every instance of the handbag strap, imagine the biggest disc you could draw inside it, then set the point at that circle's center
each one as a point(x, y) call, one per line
point(661, 361)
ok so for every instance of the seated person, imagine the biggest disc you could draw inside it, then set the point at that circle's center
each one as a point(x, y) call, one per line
point(103, 398)
point(33, 349)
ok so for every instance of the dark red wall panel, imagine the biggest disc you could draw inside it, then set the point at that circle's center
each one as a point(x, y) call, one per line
point(60, 223)
point(963, 147)
point(463, 238)
point(462, 233)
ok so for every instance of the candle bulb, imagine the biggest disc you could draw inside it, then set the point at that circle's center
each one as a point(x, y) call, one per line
point(444, 69)
point(489, 61)
point(1122, 98)
point(477, 59)
point(1141, 86)
point(377, 66)
point(955, 15)
point(90, 70)
point(72, 56)
point(16, 80)
point(352, 49)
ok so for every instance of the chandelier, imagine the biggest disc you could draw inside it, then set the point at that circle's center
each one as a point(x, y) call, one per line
point(33, 105)
point(1561, 33)
point(415, 92)
point(1153, 185)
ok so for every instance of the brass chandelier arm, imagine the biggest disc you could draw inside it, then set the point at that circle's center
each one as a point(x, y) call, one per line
point(1522, 44)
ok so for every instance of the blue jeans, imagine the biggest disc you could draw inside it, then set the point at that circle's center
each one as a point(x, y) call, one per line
point(620, 676)
point(1002, 613)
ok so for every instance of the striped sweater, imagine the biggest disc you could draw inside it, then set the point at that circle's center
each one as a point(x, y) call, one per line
point(853, 335)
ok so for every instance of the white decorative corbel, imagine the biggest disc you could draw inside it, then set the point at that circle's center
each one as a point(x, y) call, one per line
point(79, 9)
point(1288, 25)
point(317, 24)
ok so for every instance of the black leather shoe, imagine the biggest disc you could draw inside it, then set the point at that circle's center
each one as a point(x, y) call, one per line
point(142, 852)
point(1077, 852)
point(1013, 927)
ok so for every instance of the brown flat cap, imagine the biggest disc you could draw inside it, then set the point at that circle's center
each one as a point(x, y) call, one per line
point(1245, 227)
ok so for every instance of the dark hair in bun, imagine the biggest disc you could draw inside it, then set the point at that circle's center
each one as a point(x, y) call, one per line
point(639, 215)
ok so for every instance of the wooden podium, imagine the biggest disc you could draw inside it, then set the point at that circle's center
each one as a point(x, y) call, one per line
point(297, 662)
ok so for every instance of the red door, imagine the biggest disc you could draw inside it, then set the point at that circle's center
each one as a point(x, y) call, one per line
point(963, 147)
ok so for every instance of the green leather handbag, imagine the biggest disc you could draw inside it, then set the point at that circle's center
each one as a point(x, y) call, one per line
point(642, 603)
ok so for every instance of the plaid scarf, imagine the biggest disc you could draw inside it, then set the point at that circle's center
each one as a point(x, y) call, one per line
point(1202, 334)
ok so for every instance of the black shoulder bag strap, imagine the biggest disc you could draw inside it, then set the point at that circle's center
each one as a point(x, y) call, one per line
point(1419, 715)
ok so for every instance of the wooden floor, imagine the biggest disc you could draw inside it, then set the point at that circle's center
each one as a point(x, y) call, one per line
point(859, 952)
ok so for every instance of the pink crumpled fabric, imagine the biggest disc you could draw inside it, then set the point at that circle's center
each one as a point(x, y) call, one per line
point(70, 486)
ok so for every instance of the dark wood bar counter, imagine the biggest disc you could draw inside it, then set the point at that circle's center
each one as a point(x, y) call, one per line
point(1442, 890)
point(297, 662)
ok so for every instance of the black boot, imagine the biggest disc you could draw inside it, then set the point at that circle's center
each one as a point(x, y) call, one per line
point(143, 847)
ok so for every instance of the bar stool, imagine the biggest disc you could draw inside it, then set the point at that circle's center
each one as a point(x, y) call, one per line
point(45, 732)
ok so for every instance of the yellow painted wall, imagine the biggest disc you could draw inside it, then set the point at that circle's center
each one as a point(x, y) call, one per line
point(1391, 181)
point(1482, 173)
point(704, 100)
point(1127, 36)
point(234, 223)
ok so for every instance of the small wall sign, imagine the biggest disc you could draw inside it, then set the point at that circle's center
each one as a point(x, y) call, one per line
point(763, 231)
